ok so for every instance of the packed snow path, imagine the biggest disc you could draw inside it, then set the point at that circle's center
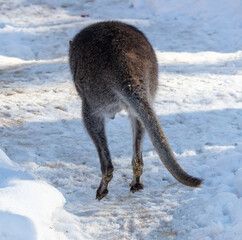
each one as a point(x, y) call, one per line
point(199, 104)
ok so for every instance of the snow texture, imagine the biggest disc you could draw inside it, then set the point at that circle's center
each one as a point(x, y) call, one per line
point(47, 189)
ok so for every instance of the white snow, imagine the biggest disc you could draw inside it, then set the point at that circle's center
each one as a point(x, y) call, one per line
point(47, 189)
point(27, 206)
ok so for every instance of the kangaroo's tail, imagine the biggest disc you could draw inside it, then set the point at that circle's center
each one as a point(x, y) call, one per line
point(143, 110)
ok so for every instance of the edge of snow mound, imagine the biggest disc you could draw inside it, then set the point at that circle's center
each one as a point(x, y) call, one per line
point(27, 207)
point(13, 62)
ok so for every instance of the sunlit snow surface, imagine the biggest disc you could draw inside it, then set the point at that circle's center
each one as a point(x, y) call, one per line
point(48, 187)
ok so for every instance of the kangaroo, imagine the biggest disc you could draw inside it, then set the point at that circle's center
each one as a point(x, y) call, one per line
point(114, 67)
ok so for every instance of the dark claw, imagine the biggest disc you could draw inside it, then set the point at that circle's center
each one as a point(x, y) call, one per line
point(100, 196)
point(136, 187)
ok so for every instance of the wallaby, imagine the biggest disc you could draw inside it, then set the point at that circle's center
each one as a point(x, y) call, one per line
point(114, 67)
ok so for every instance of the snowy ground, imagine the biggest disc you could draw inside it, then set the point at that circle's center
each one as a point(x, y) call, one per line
point(53, 161)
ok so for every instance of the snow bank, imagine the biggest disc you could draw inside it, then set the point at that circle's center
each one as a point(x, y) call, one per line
point(27, 206)
point(215, 210)
point(206, 10)
point(222, 215)
point(12, 62)
point(218, 20)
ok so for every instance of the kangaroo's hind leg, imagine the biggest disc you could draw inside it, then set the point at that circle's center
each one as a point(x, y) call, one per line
point(137, 160)
point(96, 129)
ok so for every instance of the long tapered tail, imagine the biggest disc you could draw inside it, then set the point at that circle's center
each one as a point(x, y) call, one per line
point(145, 113)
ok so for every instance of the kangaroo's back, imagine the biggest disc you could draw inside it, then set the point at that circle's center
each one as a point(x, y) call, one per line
point(114, 67)
point(104, 56)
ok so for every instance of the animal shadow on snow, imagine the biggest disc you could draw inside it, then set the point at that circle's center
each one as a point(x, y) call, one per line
point(63, 155)
point(63, 149)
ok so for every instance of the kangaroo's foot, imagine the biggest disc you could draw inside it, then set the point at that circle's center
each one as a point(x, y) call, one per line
point(136, 185)
point(103, 188)
point(101, 193)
